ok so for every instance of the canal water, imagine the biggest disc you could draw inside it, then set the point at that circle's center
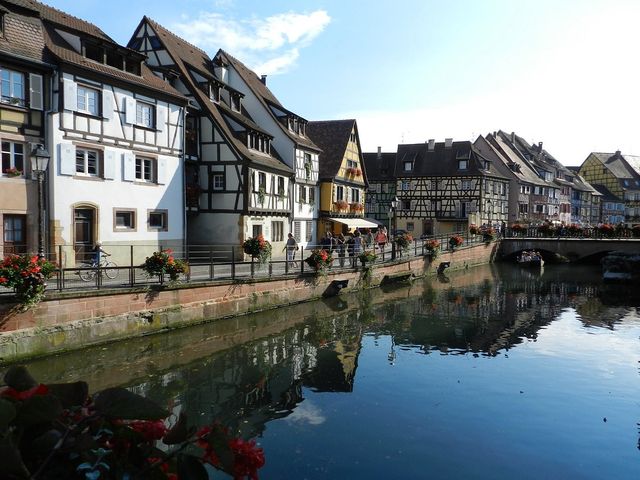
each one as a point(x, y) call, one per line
point(491, 373)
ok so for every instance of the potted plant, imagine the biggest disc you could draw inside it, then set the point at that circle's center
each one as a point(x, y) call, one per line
point(607, 230)
point(574, 230)
point(474, 229)
point(433, 248)
point(13, 172)
point(26, 275)
point(258, 248)
point(455, 241)
point(319, 260)
point(403, 241)
point(489, 235)
point(358, 172)
point(635, 230)
point(163, 263)
point(341, 204)
point(546, 230)
point(368, 256)
point(517, 228)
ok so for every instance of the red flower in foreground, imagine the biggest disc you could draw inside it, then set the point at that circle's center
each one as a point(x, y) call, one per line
point(18, 395)
point(150, 430)
point(247, 458)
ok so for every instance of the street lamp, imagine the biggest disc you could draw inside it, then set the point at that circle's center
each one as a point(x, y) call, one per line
point(39, 163)
point(489, 210)
point(392, 228)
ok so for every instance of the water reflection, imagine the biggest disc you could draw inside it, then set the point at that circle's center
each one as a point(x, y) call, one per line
point(252, 371)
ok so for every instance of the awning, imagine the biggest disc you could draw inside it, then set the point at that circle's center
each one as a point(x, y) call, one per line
point(355, 222)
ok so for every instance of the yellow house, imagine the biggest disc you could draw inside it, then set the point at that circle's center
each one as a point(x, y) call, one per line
point(342, 176)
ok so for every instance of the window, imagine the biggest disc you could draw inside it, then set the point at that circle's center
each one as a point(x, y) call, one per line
point(466, 184)
point(303, 194)
point(539, 208)
point(12, 157)
point(487, 165)
point(235, 102)
point(144, 114)
point(12, 87)
point(296, 230)
point(463, 164)
point(157, 220)
point(406, 205)
point(218, 181)
point(405, 185)
point(277, 231)
point(214, 93)
point(312, 195)
point(308, 229)
point(87, 162)
point(94, 52)
point(355, 195)
point(88, 100)
point(407, 166)
point(523, 208)
point(15, 240)
point(281, 186)
point(352, 137)
point(145, 169)
point(124, 220)
point(256, 230)
point(339, 193)
point(352, 164)
point(262, 181)
point(410, 227)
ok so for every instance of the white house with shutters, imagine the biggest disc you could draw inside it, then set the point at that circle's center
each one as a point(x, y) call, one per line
point(115, 140)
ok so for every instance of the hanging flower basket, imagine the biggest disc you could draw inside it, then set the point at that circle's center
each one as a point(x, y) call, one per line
point(258, 248)
point(367, 257)
point(517, 228)
point(455, 241)
point(474, 229)
point(433, 248)
point(341, 205)
point(164, 263)
point(404, 240)
point(489, 235)
point(26, 274)
point(319, 260)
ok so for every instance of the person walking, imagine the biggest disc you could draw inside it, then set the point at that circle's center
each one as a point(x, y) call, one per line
point(326, 242)
point(357, 247)
point(381, 239)
point(291, 247)
point(341, 244)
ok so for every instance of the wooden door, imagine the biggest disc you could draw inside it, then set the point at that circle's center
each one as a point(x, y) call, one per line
point(84, 233)
point(15, 234)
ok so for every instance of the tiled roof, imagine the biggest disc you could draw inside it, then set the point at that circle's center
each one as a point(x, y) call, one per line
point(332, 137)
point(61, 18)
point(184, 54)
point(379, 167)
point(607, 196)
point(441, 161)
point(265, 96)
point(619, 164)
point(63, 52)
point(525, 172)
point(23, 37)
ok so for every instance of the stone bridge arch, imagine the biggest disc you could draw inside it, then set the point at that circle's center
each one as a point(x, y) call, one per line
point(574, 249)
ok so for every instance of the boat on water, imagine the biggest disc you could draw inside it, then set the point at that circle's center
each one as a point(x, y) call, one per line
point(531, 259)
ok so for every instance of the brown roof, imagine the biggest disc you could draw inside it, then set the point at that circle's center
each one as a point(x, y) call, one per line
point(332, 137)
point(23, 37)
point(63, 52)
point(266, 97)
point(380, 166)
point(184, 55)
point(61, 18)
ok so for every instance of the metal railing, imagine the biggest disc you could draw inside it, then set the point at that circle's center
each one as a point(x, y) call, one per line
point(586, 233)
point(225, 263)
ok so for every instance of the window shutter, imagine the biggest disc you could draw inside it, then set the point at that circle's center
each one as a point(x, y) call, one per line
point(67, 159)
point(70, 93)
point(128, 167)
point(312, 194)
point(161, 118)
point(35, 91)
point(109, 162)
point(108, 104)
point(130, 110)
point(161, 175)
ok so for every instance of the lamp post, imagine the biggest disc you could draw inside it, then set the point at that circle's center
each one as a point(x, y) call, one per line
point(392, 230)
point(39, 163)
point(489, 210)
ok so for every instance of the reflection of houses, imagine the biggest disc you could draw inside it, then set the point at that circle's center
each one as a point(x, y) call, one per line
point(620, 174)
point(382, 185)
point(25, 82)
point(444, 186)
point(342, 175)
point(237, 184)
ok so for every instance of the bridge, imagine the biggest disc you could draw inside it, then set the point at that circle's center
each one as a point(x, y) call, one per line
point(572, 248)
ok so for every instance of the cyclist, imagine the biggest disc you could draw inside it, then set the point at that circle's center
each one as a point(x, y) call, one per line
point(97, 252)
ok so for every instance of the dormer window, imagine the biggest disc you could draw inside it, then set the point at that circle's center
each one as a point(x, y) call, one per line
point(259, 143)
point(214, 93)
point(114, 59)
point(133, 66)
point(291, 124)
point(94, 52)
point(300, 127)
point(407, 166)
point(463, 164)
point(235, 102)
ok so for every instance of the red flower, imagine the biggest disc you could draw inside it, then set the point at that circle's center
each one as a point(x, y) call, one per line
point(3, 280)
point(150, 430)
point(23, 395)
point(248, 458)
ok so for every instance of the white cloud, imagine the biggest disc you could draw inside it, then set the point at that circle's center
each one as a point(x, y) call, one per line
point(268, 45)
point(306, 412)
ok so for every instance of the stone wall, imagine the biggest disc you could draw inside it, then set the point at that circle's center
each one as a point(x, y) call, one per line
point(72, 320)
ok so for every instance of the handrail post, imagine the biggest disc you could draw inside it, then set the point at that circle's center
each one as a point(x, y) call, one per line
point(188, 269)
point(60, 281)
point(210, 262)
point(252, 266)
point(301, 260)
point(233, 265)
point(132, 268)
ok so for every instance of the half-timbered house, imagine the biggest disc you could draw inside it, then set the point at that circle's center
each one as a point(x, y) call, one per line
point(237, 184)
point(342, 175)
point(25, 73)
point(444, 186)
point(115, 174)
point(379, 167)
point(290, 140)
point(620, 174)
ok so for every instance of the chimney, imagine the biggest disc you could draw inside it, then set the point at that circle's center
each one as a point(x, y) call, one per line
point(513, 137)
point(263, 79)
point(448, 142)
point(540, 147)
point(432, 144)
point(618, 153)
point(379, 153)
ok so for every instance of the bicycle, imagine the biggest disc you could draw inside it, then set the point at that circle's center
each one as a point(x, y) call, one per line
point(110, 269)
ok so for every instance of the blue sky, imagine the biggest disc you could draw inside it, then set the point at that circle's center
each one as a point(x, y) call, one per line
point(564, 72)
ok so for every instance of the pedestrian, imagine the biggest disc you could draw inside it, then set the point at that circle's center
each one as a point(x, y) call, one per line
point(326, 242)
point(341, 245)
point(291, 247)
point(381, 239)
point(357, 247)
